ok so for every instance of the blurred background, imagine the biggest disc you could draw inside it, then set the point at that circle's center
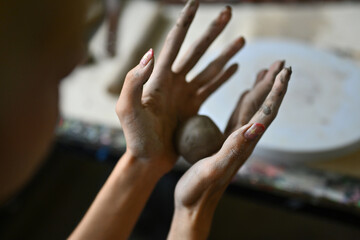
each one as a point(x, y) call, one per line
point(302, 182)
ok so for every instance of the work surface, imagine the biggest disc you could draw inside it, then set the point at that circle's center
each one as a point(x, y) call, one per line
point(330, 27)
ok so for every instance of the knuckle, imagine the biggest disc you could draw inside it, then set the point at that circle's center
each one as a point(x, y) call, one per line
point(130, 75)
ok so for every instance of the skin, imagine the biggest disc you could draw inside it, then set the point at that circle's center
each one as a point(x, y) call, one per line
point(48, 47)
point(201, 187)
point(164, 98)
point(155, 99)
point(248, 103)
point(32, 62)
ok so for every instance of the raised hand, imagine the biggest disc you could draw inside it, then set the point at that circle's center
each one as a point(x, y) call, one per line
point(200, 188)
point(156, 97)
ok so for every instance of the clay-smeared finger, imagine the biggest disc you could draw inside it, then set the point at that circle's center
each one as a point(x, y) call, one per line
point(240, 144)
point(264, 82)
point(213, 85)
point(270, 107)
point(195, 52)
point(231, 156)
point(264, 86)
point(216, 66)
point(177, 34)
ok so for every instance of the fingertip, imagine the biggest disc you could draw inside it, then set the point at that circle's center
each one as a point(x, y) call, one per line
point(238, 44)
point(261, 74)
point(230, 71)
point(280, 64)
point(147, 58)
point(234, 67)
point(224, 16)
point(290, 70)
point(241, 40)
point(277, 66)
point(285, 74)
point(228, 10)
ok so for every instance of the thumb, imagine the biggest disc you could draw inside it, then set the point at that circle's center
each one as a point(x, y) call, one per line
point(133, 85)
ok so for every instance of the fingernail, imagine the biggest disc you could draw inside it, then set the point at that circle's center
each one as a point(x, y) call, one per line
point(147, 57)
point(254, 131)
point(286, 75)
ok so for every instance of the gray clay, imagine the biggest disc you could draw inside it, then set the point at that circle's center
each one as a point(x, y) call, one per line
point(197, 138)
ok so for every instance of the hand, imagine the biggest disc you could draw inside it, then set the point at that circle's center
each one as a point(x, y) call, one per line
point(200, 188)
point(251, 100)
point(155, 99)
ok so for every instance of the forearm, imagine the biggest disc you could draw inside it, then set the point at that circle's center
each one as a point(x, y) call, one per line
point(116, 208)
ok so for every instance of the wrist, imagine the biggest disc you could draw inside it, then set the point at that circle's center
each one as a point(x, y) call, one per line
point(145, 168)
point(120, 201)
point(154, 165)
point(190, 223)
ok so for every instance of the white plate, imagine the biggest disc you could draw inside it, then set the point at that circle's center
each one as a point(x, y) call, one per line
point(320, 115)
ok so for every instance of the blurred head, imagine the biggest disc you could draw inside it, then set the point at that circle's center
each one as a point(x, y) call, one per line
point(41, 41)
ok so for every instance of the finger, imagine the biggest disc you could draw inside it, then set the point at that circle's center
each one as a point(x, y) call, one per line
point(234, 152)
point(241, 143)
point(269, 109)
point(213, 85)
point(216, 66)
point(260, 76)
point(177, 34)
point(133, 85)
point(201, 45)
point(262, 87)
point(233, 121)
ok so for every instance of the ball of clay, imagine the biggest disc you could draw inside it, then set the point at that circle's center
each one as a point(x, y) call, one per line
point(197, 138)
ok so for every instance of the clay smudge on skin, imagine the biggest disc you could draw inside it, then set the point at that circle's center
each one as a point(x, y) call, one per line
point(266, 110)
